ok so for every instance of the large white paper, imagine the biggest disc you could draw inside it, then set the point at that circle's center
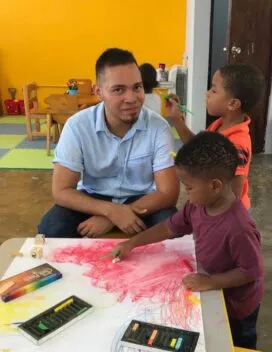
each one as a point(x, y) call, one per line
point(147, 286)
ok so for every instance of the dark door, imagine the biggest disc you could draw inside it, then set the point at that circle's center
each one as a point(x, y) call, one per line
point(249, 40)
point(218, 39)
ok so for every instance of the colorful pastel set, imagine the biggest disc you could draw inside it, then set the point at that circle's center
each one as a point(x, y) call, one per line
point(57, 318)
point(28, 281)
point(153, 337)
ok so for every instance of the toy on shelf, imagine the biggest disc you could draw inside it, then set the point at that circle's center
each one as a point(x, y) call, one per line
point(72, 87)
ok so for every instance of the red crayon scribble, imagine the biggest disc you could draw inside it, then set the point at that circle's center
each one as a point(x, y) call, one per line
point(149, 272)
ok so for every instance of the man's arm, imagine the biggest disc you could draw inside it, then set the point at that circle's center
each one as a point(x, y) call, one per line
point(166, 194)
point(65, 194)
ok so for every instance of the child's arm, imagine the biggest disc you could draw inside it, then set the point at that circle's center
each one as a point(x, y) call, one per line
point(178, 223)
point(183, 131)
point(177, 119)
point(203, 282)
point(242, 169)
point(245, 251)
point(154, 234)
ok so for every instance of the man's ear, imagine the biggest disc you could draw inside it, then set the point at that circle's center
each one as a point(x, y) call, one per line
point(98, 91)
point(234, 104)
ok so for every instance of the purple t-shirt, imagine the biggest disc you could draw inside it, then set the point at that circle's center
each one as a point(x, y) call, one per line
point(225, 242)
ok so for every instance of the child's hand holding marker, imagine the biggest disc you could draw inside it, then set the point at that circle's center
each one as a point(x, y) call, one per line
point(122, 250)
point(173, 107)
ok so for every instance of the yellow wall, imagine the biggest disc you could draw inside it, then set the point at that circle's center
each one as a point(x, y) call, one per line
point(54, 40)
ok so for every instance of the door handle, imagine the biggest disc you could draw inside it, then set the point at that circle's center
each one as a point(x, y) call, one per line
point(236, 50)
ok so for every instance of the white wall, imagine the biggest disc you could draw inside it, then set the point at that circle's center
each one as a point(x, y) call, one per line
point(197, 50)
point(268, 134)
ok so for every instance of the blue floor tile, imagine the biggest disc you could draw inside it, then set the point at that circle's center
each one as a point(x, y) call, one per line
point(34, 144)
point(3, 152)
point(8, 128)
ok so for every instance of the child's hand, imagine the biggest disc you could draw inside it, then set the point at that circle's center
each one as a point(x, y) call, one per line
point(124, 248)
point(172, 108)
point(198, 282)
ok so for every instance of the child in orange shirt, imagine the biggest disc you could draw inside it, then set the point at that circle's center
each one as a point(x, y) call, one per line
point(235, 90)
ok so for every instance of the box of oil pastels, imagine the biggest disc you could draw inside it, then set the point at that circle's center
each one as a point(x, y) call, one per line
point(153, 337)
point(55, 319)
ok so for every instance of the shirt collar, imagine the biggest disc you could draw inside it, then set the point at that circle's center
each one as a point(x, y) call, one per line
point(101, 125)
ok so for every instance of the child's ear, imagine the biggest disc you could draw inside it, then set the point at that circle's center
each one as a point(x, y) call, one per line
point(234, 104)
point(217, 185)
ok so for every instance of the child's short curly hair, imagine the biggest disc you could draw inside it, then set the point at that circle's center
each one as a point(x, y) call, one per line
point(209, 155)
point(244, 82)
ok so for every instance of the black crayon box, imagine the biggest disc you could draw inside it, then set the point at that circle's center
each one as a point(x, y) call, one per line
point(154, 337)
point(55, 319)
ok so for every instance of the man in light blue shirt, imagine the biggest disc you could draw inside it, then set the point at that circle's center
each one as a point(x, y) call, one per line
point(113, 163)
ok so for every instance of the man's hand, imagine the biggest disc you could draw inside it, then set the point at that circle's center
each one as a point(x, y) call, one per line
point(95, 226)
point(124, 216)
point(198, 282)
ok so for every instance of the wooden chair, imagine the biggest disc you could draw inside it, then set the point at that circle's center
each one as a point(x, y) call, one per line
point(60, 108)
point(36, 114)
point(84, 86)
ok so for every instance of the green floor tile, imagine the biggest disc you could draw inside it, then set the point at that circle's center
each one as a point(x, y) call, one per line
point(26, 159)
point(8, 141)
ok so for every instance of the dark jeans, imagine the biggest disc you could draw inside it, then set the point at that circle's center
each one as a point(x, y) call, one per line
point(63, 222)
point(244, 332)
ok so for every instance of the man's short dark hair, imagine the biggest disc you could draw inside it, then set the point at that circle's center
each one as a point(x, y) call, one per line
point(113, 57)
point(149, 77)
point(209, 155)
point(244, 82)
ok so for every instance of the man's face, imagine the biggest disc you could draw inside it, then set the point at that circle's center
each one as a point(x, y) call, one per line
point(121, 89)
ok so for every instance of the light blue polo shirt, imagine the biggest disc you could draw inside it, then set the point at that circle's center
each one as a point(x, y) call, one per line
point(110, 165)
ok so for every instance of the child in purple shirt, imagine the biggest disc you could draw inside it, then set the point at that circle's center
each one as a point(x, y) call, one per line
point(226, 239)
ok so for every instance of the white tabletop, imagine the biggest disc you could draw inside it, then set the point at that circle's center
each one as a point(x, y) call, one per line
point(216, 327)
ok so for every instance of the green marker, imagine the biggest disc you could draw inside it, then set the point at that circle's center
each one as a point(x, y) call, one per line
point(116, 253)
point(81, 310)
point(42, 326)
point(182, 108)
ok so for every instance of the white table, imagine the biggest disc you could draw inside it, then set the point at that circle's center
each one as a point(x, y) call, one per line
point(216, 328)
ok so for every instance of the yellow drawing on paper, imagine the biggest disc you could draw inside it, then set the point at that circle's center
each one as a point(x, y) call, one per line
point(194, 299)
point(18, 311)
